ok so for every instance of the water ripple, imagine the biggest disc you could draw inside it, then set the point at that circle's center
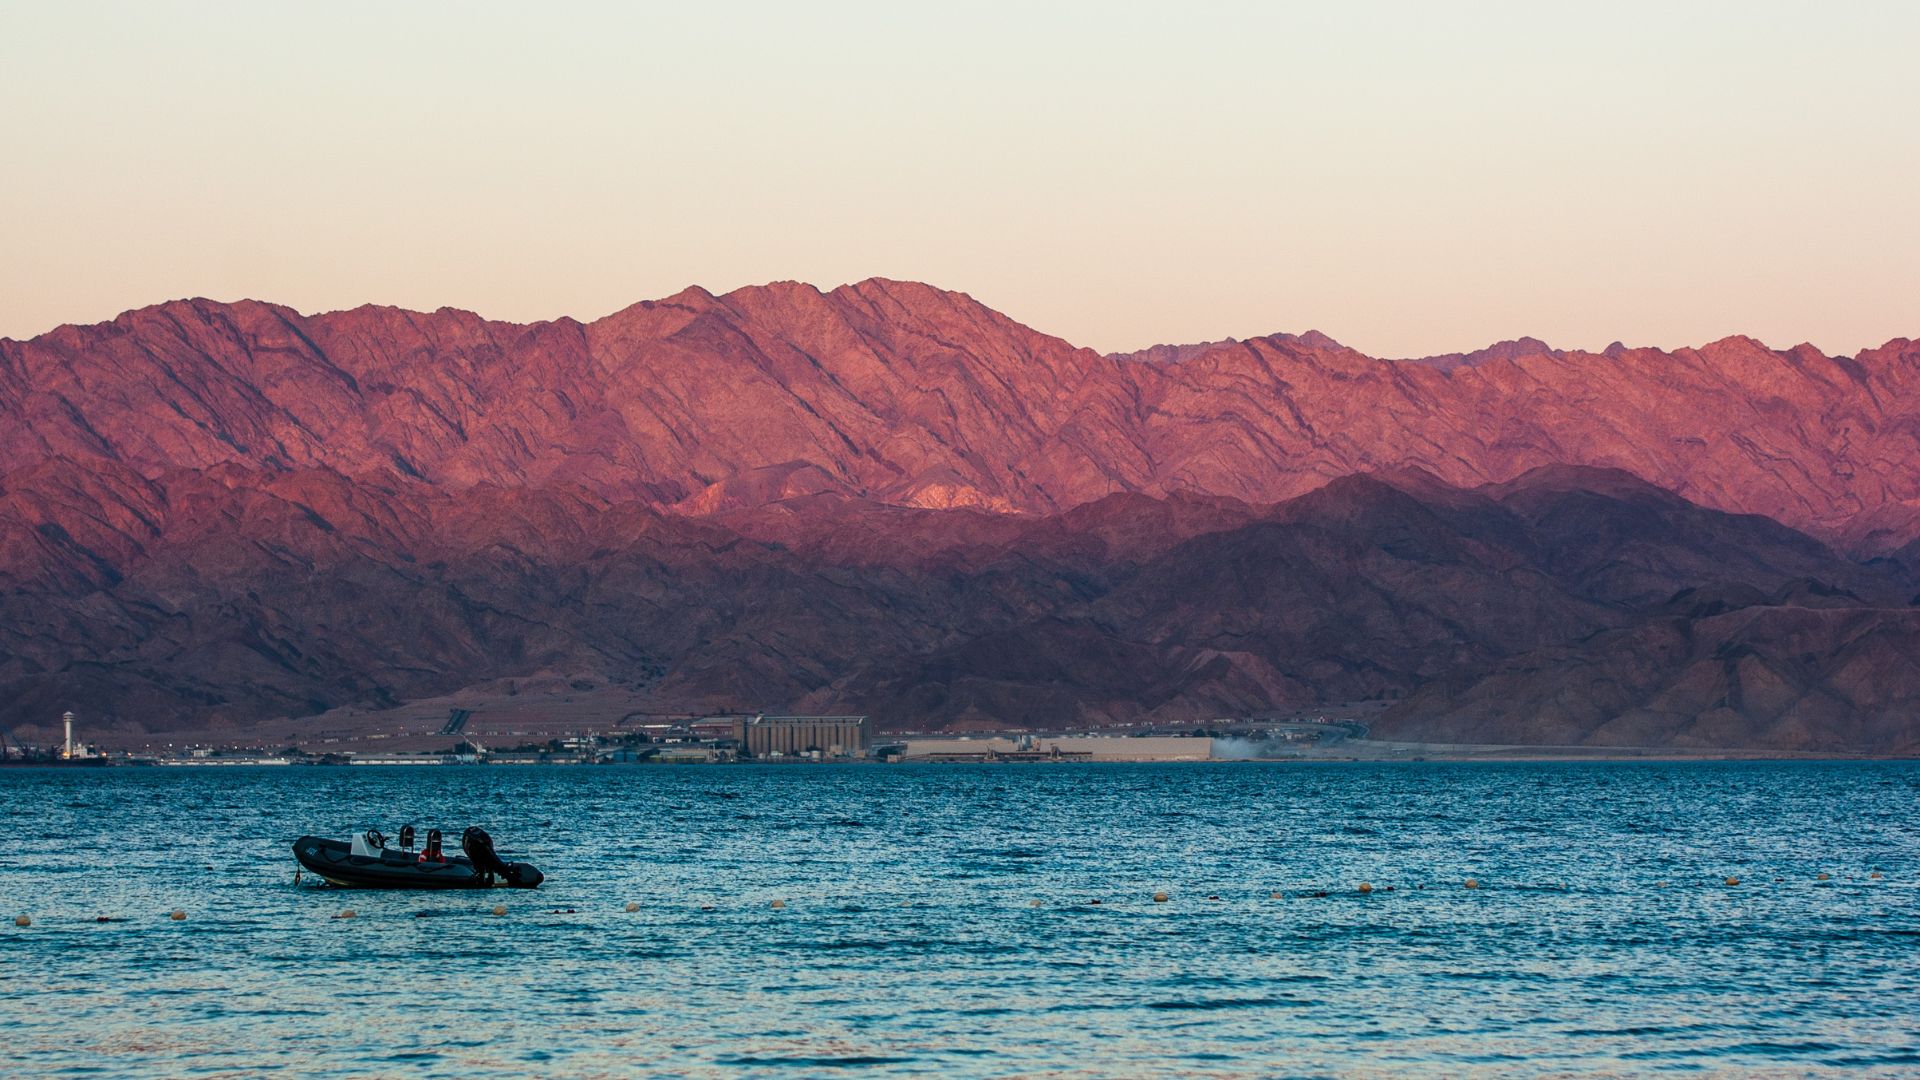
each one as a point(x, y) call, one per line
point(941, 921)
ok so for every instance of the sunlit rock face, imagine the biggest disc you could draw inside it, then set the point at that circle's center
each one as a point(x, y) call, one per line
point(903, 393)
point(890, 497)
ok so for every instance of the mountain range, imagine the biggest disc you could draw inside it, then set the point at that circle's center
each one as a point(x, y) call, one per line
point(891, 498)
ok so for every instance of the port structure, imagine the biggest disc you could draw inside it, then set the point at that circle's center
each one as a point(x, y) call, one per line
point(456, 721)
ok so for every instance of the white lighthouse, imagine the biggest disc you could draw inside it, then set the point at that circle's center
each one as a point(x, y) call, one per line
point(68, 752)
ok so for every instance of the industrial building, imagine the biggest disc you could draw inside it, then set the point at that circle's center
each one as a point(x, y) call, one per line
point(803, 736)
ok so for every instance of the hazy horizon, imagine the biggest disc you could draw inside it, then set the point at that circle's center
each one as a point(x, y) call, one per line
point(1409, 181)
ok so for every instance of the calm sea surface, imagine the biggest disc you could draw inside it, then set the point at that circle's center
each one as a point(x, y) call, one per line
point(1604, 938)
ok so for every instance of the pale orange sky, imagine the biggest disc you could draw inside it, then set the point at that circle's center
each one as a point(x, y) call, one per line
point(1410, 178)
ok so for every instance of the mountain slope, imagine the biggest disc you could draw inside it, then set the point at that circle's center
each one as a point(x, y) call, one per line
point(906, 394)
point(253, 596)
point(891, 498)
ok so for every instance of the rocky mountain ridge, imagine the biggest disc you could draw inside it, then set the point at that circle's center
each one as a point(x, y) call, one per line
point(906, 394)
point(890, 498)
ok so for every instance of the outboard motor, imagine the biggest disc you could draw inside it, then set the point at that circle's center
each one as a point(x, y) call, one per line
point(479, 848)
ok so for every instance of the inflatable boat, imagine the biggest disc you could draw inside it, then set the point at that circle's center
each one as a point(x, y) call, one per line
point(367, 862)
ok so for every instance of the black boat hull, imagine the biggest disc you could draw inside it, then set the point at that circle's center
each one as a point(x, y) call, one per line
point(335, 861)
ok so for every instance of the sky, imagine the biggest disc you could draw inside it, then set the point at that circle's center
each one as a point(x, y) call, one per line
point(1411, 178)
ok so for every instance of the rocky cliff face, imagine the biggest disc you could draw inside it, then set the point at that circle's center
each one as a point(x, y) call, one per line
point(249, 596)
point(889, 497)
point(909, 395)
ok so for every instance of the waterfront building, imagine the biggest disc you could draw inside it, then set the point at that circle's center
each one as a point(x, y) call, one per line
point(803, 736)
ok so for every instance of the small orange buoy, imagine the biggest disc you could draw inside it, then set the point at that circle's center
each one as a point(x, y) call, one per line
point(779, 903)
point(632, 906)
point(499, 909)
point(1160, 898)
point(1823, 876)
point(22, 920)
point(1276, 895)
point(1733, 881)
point(1876, 875)
point(1473, 883)
point(347, 914)
point(1366, 887)
point(178, 915)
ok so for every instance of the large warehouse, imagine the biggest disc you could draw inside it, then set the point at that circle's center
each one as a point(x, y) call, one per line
point(803, 736)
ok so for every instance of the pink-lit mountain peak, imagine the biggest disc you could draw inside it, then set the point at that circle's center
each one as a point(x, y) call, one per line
point(901, 392)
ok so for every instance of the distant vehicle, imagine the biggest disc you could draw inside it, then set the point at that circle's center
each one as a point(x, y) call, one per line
point(368, 863)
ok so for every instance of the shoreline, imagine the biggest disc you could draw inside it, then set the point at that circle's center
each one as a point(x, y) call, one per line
point(1532, 756)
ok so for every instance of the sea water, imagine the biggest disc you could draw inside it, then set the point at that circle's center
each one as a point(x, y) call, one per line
point(941, 921)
